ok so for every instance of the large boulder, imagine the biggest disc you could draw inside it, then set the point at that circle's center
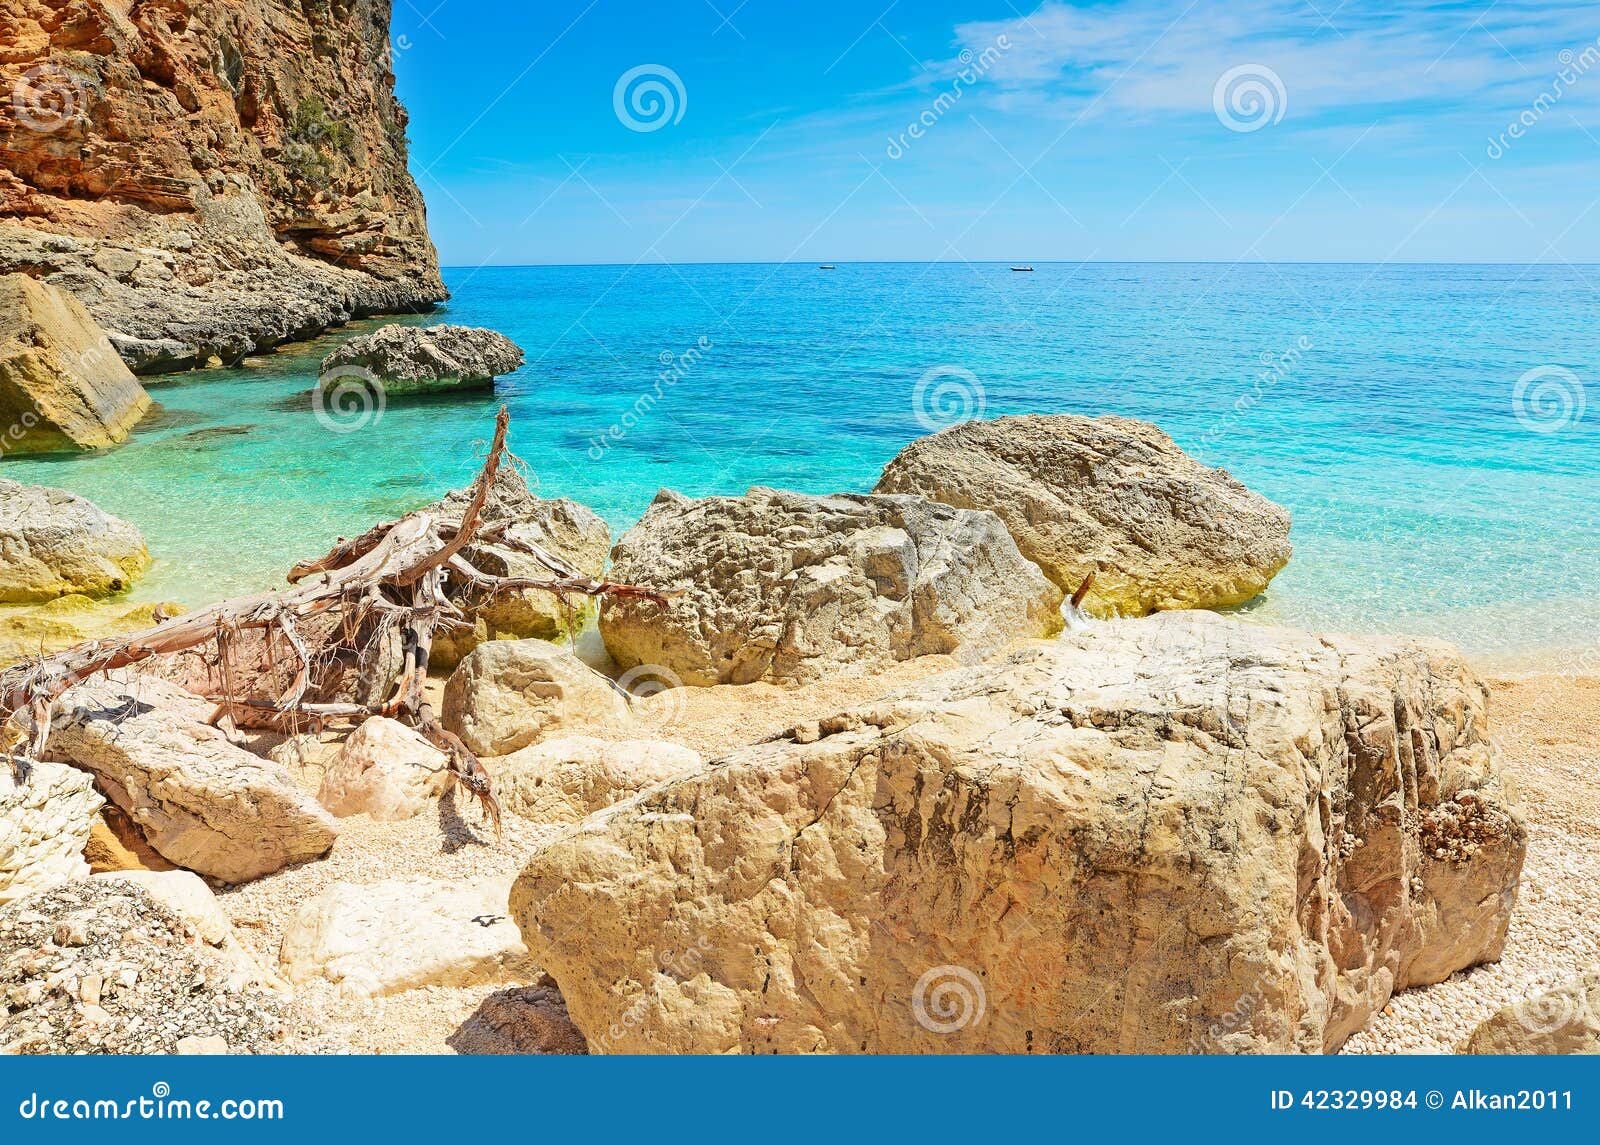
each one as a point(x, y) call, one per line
point(203, 803)
point(510, 693)
point(1106, 495)
point(385, 770)
point(405, 933)
point(419, 360)
point(62, 383)
point(46, 815)
point(1565, 1020)
point(54, 543)
point(1156, 836)
point(562, 780)
point(561, 527)
point(101, 966)
point(788, 587)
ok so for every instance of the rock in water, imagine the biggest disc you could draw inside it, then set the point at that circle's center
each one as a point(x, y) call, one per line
point(562, 780)
point(201, 802)
point(562, 528)
point(405, 933)
point(417, 360)
point(1106, 495)
point(45, 820)
point(783, 586)
point(209, 178)
point(58, 624)
point(54, 543)
point(386, 770)
point(62, 385)
point(510, 693)
point(1565, 1020)
point(1184, 833)
point(99, 966)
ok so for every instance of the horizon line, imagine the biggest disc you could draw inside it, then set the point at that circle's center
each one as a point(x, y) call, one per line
point(1007, 262)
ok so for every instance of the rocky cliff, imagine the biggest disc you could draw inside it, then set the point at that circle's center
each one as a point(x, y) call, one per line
point(210, 177)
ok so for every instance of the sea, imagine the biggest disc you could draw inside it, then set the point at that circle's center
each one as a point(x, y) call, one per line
point(1434, 429)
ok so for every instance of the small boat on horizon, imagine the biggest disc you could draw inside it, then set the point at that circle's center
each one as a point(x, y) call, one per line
point(827, 266)
point(1022, 268)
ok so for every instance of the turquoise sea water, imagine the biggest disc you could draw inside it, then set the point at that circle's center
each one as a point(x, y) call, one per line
point(1381, 404)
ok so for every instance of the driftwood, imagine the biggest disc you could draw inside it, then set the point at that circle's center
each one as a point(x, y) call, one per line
point(270, 657)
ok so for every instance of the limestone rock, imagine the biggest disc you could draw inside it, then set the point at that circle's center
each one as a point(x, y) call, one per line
point(783, 586)
point(186, 895)
point(99, 966)
point(32, 630)
point(54, 543)
point(404, 933)
point(522, 1020)
point(421, 360)
point(1109, 495)
point(201, 802)
point(209, 178)
point(385, 770)
point(562, 780)
point(509, 693)
point(1565, 1020)
point(45, 819)
point(561, 527)
point(1184, 833)
point(62, 385)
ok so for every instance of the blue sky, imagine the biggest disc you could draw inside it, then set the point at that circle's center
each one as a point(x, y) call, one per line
point(1271, 130)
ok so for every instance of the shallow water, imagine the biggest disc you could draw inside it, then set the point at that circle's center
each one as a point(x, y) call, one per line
point(1380, 406)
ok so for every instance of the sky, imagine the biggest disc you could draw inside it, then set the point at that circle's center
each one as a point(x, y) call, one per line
point(616, 131)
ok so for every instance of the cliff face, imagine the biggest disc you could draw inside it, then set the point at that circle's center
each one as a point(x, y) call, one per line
point(210, 177)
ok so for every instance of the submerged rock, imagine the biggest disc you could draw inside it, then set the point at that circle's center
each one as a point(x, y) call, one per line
point(203, 803)
point(382, 938)
point(54, 543)
point(59, 624)
point(1184, 833)
point(784, 586)
point(62, 385)
point(46, 815)
point(561, 527)
point(510, 693)
point(420, 360)
point(1565, 1020)
point(1106, 495)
